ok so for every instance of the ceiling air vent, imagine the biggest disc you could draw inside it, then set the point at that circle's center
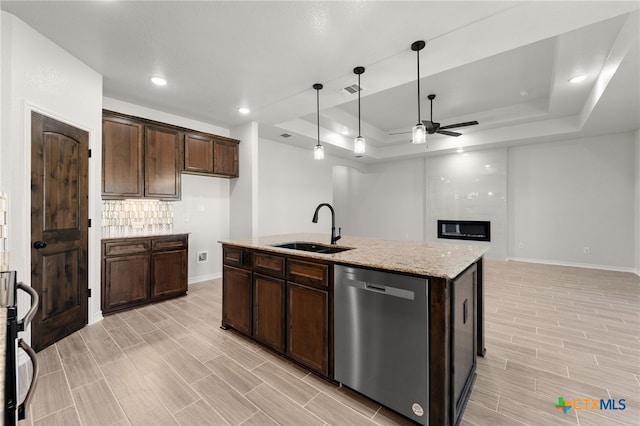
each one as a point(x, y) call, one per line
point(285, 135)
point(350, 90)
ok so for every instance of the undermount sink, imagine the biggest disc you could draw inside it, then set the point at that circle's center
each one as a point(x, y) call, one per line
point(315, 248)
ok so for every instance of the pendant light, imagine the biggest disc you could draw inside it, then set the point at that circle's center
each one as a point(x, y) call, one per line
point(358, 143)
point(419, 132)
point(318, 151)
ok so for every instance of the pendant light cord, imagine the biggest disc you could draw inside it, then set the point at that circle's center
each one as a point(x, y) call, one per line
point(359, 90)
point(318, 113)
point(418, 56)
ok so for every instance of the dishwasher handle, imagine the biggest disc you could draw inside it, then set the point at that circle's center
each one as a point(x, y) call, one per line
point(376, 288)
point(380, 289)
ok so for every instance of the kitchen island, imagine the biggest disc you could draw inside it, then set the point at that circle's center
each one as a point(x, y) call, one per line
point(284, 298)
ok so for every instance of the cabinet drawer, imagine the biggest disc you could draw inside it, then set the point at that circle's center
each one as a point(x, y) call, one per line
point(269, 264)
point(168, 244)
point(310, 273)
point(123, 248)
point(236, 256)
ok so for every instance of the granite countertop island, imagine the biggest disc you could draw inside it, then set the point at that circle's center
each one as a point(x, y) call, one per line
point(434, 259)
point(294, 302)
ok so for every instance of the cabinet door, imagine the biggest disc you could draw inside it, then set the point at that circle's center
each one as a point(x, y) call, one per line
point(122, 158)
point(464, 339)
point(307, 326)
point(198, 153)
point(225, 158)
point(126, 282)
point(268, 311)
point(169, 272)
point(236, 299)
point(161, 153)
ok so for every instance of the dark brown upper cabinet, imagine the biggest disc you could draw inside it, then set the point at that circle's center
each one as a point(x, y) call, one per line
point(122, 157)
point(225, 158)
point(198, 153)
point(139, 159)
point(145, 158)
point(161, 165)
point(211, 155)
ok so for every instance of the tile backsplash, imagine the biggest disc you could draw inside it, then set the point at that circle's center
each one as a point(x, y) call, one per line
point(124, 218)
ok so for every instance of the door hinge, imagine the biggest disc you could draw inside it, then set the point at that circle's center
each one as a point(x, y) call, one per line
point(89, 223)
point(89, 292)
point(89, 153)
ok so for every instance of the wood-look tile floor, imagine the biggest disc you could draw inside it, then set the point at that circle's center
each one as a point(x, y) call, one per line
point(551, 332)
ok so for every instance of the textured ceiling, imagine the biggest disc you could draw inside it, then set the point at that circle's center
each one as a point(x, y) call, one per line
point(480, 56)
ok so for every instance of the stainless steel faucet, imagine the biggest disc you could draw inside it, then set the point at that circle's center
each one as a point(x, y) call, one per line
point(334, 237)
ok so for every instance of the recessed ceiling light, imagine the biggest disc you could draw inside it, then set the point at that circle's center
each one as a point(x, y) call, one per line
point(524, 92)
point(459, 150)
point(578, 78)
point(158, 81)
point(345, 132)
point(243, 110)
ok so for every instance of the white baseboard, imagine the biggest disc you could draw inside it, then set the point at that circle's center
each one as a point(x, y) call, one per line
point(198, 279)
point(575, 264)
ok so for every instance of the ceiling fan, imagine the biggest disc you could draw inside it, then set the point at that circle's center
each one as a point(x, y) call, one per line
point(433, 127)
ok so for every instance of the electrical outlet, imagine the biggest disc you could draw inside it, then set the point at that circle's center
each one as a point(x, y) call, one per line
point(520, 245)
point(586, 250)
point(203, 256)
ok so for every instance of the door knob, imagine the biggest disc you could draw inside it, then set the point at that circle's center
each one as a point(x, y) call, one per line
point(39, 245)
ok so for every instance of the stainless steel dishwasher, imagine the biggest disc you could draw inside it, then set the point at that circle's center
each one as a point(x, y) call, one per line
point(382, 338)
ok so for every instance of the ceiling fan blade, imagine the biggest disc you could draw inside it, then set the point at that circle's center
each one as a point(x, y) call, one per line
point(466, 123)
point(448, 133)
point(430, 126)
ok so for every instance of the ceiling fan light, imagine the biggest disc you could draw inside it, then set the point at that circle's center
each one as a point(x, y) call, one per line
point(359, 146)
point(318, 152)
point(419, 134)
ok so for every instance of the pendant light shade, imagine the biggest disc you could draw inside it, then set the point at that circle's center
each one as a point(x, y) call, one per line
point(318, 151)
point(419, 131)
point(359, 146)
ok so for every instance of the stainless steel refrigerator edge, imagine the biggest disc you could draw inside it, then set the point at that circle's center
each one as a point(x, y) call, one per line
point(382, 338)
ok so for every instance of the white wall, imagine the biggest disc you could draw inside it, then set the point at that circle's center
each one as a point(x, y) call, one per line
point(568, 195)
point(637, 135)
point(243, 190)
point(39, 75)
point(387, 201)
point(203, 210)
point(469, 186)
point(290, 186)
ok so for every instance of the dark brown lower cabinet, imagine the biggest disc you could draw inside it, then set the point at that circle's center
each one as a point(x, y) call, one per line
point(136, 271)
point(126, 281)
point(281, 301)
point(169, 273)
point(308, 326)
point(268, 311)
point(236, 297)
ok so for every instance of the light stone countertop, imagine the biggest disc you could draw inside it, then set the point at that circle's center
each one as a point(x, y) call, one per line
point(434, 259)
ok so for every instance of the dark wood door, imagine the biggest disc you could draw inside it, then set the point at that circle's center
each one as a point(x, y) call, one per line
point(59, 228)
point(236, 299)
point(122, 157)
point(268, 311)
point(198, 153)
point(225, 158)
point(126, 281)
point(169, 273)
point(161, 164)
point(307, 326)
